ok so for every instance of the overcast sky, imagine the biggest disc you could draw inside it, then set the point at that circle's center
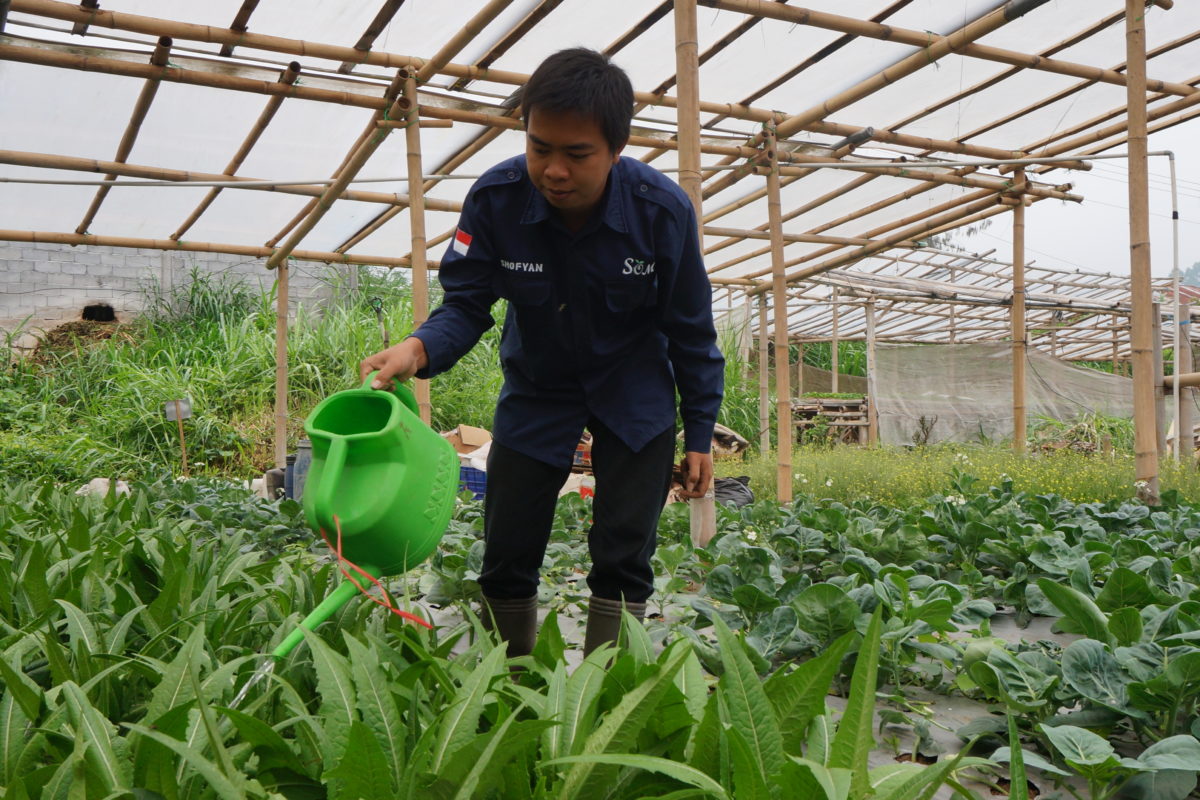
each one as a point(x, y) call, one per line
point(1094, 235)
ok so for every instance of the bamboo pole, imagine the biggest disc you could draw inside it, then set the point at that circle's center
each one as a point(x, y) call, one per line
point(356, 162)
point(872, 379)
point(1019, 333)
point(300, 48)
point(374, 28)
point(996, 184)
point(1184, 425)
point(416, 215)
point(49, 161)
point(240, 24)
point(925, 40)
point(288, 78)
point(1187, 380)
point(785, 429)
point(842, 241)
point(1160, 384)
point(764, 386)
point(1116, 345)
point(141, 107)
point(170, 245)
point(687, 113)
point(834, 344)
point(1145, 424)
point(281, 364)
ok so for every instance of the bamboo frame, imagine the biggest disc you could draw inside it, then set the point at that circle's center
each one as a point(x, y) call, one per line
point(281, 364)
point(687, 113)
point(872, 379)
point(416, 216)
point(141, 107)
point(374, 28)
point(287, 77)
point(1017, 314)
point(785, 430)
point(1145, 437)
point(240, 24)
point(764, 372)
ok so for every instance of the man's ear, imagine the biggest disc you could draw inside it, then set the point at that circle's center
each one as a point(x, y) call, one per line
point(617, 154)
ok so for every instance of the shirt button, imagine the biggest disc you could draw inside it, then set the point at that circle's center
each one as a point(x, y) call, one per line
point(643, 188)
point(512, 174)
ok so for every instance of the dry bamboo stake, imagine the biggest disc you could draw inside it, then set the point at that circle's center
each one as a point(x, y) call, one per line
point(287, 77)
point(1183, 366)
point(182, 441)
point(281, 365)
point(1144, 424)
point(843, 241)
point(872, 384)
point(764, 386)
point(356, 162)
point(416, 214)
point(785, 428)
point(687, 113)
point(1017, 317)
point(141, 107)
point(253, 251)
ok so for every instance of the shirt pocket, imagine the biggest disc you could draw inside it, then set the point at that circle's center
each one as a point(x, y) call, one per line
point(522, 290)
point(628, 295)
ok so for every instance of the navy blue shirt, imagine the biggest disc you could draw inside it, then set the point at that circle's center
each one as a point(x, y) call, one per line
point(607, 321)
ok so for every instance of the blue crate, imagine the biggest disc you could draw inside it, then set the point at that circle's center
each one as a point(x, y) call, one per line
point(472, 480)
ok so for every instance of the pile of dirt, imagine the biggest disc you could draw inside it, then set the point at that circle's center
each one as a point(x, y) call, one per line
point(75, 335)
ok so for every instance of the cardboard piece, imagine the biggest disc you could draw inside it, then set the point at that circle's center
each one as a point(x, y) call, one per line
point(467, 438)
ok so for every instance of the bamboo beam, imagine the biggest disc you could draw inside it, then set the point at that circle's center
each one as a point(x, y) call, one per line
point(203, 33)
point(4, 4)
point(835, 345)
point(48, 161)
point(281, 364)
point(764, 386)
point(843, 241)
point(783, 403)
point(364, 43)
point(687, 113)
point(932, 42)
point(141, 107)
point(287, 77)
point(872, 379)
point(372, 138)
point(80, 27)
point(252, 251)
point(1187, 380)
point(416, 217)
point(240, 25)
point(539, 12)
point(465, 34)
point(1017, 316)
point(996, 184)
point(1145, 425)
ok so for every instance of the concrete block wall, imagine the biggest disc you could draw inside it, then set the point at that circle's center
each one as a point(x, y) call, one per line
point(44, 285)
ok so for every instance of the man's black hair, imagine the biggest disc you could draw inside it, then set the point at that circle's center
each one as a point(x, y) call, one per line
point(586, 82)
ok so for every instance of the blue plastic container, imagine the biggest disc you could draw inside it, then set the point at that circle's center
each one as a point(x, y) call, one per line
point(473, 480)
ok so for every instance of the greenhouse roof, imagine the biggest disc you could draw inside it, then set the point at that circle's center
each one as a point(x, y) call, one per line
point(865, 83)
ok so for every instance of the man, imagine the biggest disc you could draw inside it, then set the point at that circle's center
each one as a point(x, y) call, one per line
point(609, 312)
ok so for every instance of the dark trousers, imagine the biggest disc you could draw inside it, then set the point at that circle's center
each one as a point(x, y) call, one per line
point(631, 489)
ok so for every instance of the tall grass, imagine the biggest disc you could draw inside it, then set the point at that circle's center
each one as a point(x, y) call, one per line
point(908, 477)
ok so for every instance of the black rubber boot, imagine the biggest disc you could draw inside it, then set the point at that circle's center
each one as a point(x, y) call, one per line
point(604, 621)
point(514, 620)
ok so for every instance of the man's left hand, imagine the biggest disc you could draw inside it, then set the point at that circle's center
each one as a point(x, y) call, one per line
point(697, 469)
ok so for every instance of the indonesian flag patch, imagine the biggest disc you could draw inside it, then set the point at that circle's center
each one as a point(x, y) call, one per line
point(462, 242)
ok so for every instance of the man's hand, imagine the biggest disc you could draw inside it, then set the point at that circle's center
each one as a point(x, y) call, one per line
point(697, 469)
point(400, 362)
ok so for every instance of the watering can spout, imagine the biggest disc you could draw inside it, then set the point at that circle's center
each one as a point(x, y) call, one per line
point(328, 607)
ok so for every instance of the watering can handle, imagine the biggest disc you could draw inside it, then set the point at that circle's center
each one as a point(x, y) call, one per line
point(402, 391)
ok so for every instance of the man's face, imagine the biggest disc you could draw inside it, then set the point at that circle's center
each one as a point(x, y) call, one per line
point(568, 160)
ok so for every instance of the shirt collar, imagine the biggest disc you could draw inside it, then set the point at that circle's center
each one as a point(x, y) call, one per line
point(614, 200)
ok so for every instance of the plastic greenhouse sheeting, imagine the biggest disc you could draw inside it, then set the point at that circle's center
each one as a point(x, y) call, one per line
point(965, 391)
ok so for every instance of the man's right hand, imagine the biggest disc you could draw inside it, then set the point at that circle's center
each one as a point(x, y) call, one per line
point(399, 362)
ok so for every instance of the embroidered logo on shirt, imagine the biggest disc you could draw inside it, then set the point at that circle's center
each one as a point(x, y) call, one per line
point(462, 242)
point(521, 266)
point(635, 266)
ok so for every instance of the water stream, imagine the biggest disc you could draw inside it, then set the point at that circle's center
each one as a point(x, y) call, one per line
point(259, 674)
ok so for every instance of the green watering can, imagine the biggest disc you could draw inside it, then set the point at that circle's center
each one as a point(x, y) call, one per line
point(388, 479)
